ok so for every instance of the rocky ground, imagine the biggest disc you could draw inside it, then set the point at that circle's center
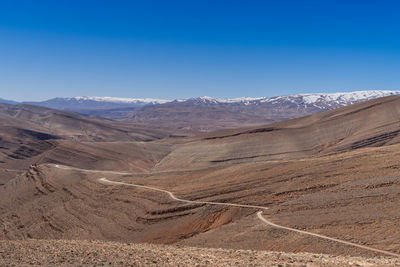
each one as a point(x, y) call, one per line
point(96, 253)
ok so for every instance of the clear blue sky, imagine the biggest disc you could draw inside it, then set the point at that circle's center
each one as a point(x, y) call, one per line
point(180, 49)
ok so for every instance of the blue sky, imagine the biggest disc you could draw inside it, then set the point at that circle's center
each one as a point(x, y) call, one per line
point(180, 49)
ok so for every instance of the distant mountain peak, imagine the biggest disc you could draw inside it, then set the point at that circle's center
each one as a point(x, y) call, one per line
point(344, 98)
point(354, 96)
point(120, 99)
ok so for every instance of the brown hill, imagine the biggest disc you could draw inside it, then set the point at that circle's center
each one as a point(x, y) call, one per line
point(74, 126)
point(367, 124)
point(30, 134)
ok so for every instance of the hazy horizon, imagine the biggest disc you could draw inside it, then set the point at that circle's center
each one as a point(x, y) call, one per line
point(171, 99)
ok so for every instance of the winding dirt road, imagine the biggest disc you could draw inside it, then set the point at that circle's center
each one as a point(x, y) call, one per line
point(180, 199)
point(259, 213)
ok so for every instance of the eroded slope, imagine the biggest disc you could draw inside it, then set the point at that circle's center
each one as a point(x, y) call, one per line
point(368, 124)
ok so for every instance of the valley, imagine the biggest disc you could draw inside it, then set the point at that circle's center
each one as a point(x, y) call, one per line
point(70, 177)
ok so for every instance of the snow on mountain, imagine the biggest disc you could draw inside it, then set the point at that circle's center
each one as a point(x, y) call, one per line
point(310, 103)
point(345, 98)
point(208, 113)
point(120, 100)
point(230, 100)
point(85, 104)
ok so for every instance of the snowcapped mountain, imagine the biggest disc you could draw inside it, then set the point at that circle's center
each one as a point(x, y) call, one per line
point(207, 113)
point(120, 100)
point(86, 104)
point(322, 99)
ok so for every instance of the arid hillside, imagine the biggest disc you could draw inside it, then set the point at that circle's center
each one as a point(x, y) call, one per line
point(34, 135)
point(368, 124)
point(74, 126)
point(333, 174)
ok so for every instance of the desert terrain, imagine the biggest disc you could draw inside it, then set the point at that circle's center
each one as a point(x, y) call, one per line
point(69, 184)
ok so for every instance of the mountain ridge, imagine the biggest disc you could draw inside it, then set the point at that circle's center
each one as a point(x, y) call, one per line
point(308, 97)
point(205, 114)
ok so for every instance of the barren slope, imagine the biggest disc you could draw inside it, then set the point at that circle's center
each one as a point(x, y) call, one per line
point(367, 124)
point(350, 196)
point(30, 134)
point(72, 125)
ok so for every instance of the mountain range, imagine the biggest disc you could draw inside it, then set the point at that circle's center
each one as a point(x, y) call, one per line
point(204, 114)
point(320, 100)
